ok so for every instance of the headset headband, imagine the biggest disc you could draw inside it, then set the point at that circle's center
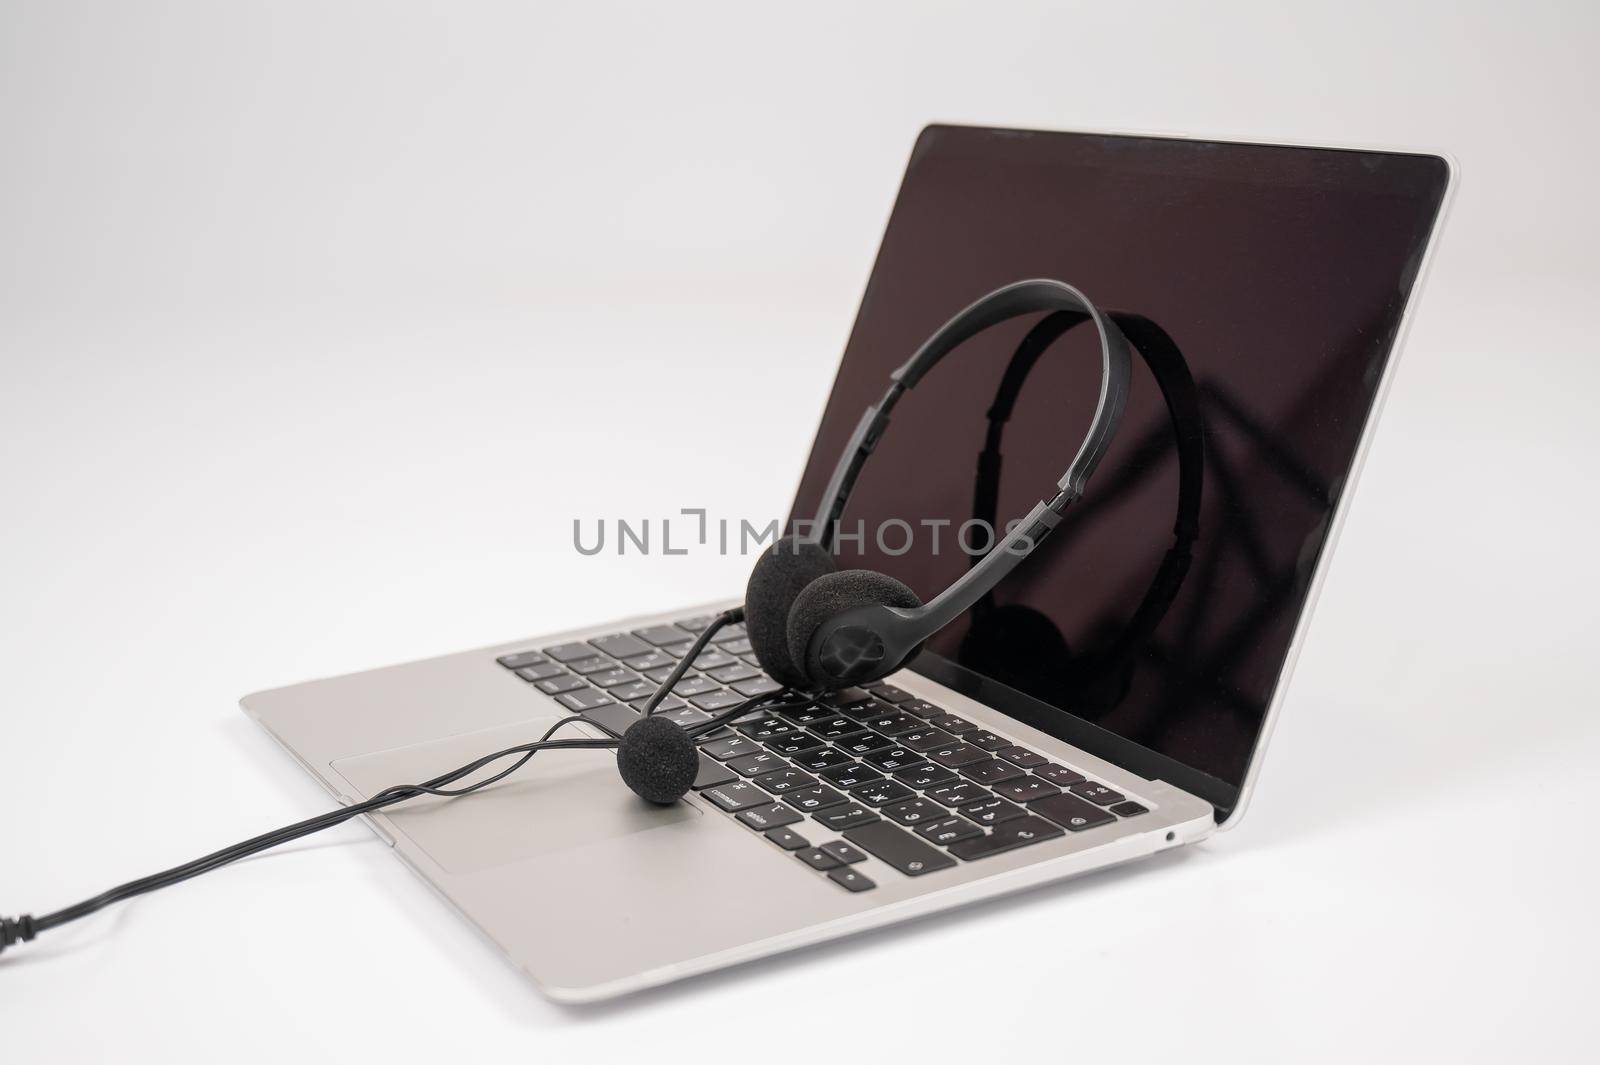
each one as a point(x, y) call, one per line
point(1014, 300)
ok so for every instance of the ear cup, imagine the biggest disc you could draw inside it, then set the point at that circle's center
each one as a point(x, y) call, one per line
point(1019, 647)
point(831, 595)
point(779, 575)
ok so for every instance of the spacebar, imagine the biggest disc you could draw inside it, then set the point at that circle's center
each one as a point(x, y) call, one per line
point(899, 848)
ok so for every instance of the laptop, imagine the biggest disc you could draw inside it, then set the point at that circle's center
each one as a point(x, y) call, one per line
point(1109, 700)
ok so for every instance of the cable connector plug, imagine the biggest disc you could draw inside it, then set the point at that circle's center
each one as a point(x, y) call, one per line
point(16, 930)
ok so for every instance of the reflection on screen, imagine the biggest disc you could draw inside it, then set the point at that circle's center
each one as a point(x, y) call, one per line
point(1280, 274)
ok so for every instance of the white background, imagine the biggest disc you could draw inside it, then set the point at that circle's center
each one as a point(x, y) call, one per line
point(320, 322)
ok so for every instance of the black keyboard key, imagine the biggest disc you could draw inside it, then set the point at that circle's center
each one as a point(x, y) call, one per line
point(569, 652)
point(520, 659)
point(844, 852)
point(728, 674)
point(899, 848)
point(987, 740)
point(848, 698)
point(1021, 757)
point(1059, 775)
point(892, 724)
point(540, 672)
point(583, 699)
point(1098, 794)
point(729, 633)
point(879, 792)
point(821, 758)
point(991, 772)
point(675, 651)
point(809, 715)
point(817, 858)
point(831, 728)
point(788, 839)
point(740, 795)
point(925, 738)
point(890, 694)
point(859, 743)
point(592, 664)
point(613, 678)
point(992, 812)
point(794, 743)
point(696, 625)
point(851, 775)
point(817, 797)
point(785, 780)
point(1071, 812)
point(756, 686)
point(721, 699)
point(613, 718)
point(952, 723)
point(741, 646)
point(1129, 809)
point(652, 660)
point(557, 685)
point(948, 830)
point(660, 635)
point(710, 658)
point(639, 689)
point(682, 716)
point(961, 793)
point(766, 728)
point(850, 879)
point(1025, 789)
point(914, 811)
point(693, 686)
point(956, 755)
point(891, 758)
point(732, 747)
point(1005, 837)
point(926, 775)
point(761, 818)
point(620, 645)
point(850, 815)
point(919, 708)
point(753, 765)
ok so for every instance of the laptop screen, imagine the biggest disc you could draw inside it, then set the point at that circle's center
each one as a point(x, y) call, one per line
point(1279, 275)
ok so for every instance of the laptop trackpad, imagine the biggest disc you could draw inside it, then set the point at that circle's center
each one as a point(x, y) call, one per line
point(560, 799)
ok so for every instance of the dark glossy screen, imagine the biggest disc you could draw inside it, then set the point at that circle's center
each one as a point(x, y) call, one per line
point(1280, 274)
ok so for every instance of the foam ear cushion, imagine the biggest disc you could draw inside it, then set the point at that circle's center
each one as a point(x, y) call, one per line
point(779, 575)
point(833, 594)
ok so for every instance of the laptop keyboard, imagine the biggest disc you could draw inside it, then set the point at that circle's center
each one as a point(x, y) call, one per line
point(891, 775)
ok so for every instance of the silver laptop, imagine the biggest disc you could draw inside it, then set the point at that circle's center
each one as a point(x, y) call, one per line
point(1109, 700)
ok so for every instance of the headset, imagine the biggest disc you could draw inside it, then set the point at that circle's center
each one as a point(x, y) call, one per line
point(1018, 645)
point(813, 628)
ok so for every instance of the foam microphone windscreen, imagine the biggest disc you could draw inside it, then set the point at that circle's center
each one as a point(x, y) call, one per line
point(657, 760)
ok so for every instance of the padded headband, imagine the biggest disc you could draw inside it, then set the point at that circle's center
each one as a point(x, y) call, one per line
point(1011, 301)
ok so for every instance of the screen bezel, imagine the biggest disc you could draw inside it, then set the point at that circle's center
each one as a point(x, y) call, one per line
point(1229, 800)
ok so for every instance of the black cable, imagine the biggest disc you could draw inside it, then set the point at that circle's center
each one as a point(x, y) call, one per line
point(727, 617)
point(26, 927)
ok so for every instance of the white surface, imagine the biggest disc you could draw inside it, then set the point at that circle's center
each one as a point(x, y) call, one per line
point(292, 297)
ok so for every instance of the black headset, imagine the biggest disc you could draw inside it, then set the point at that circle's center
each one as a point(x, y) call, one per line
point(1018, 645)
point(815, 627)
point(812, 628)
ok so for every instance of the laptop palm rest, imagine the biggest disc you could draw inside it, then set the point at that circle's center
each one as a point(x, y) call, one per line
point(559, 800)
